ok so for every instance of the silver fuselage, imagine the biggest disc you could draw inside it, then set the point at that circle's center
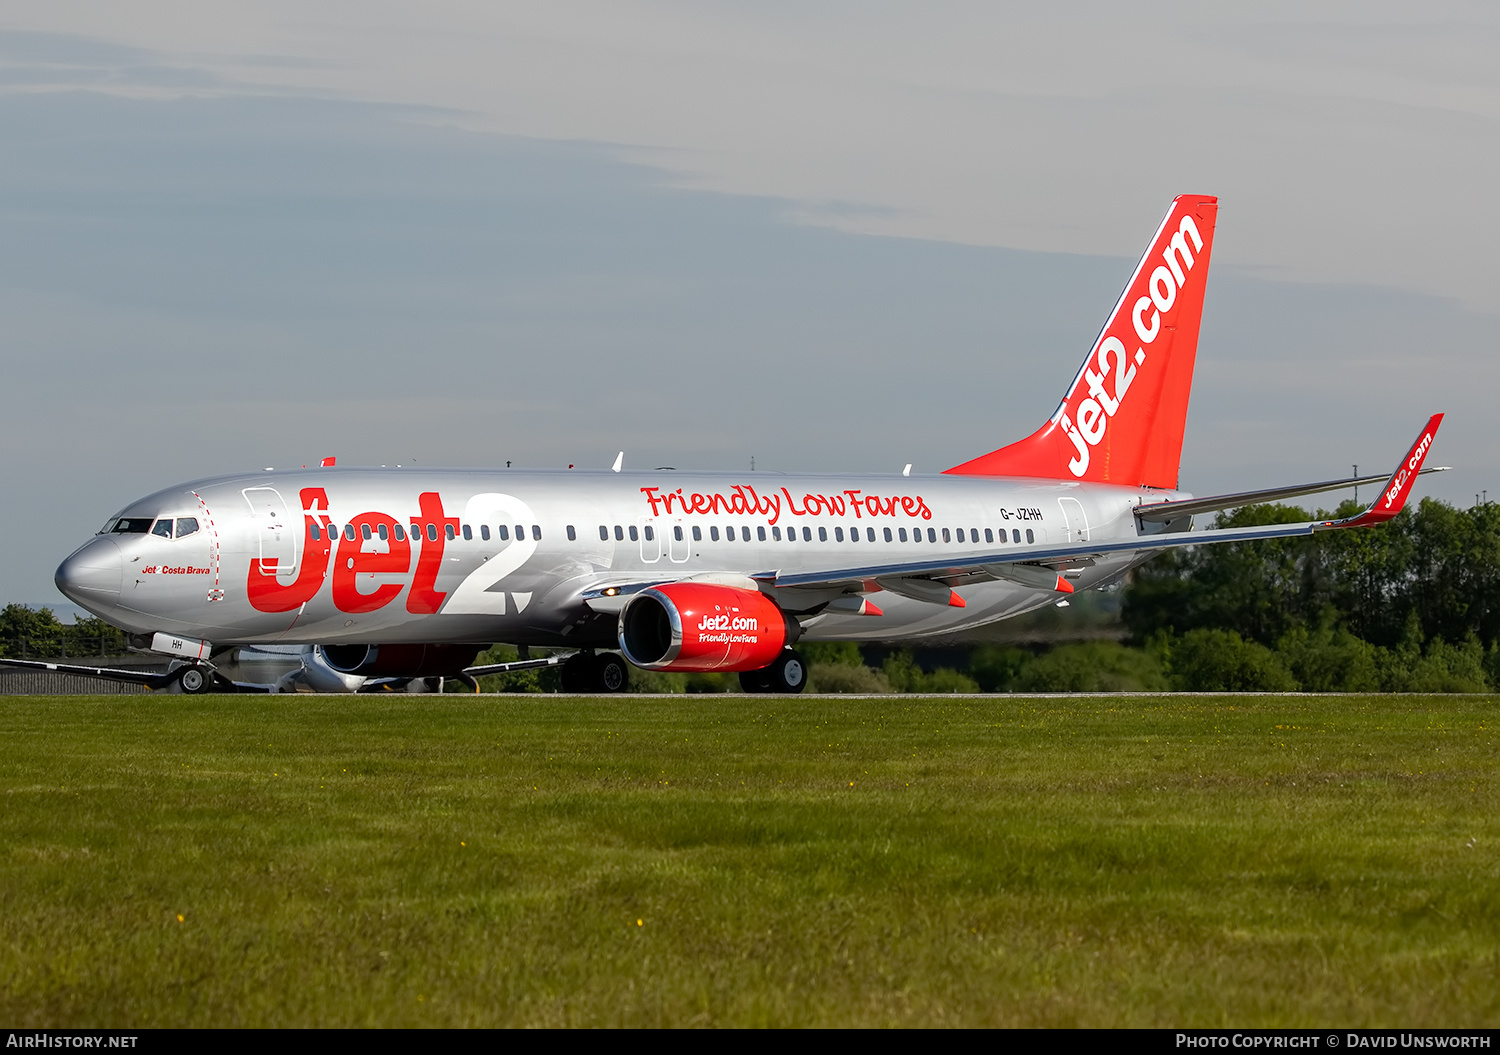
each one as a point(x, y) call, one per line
point(261, 568)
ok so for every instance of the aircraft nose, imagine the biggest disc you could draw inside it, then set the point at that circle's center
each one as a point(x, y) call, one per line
point(93, 573)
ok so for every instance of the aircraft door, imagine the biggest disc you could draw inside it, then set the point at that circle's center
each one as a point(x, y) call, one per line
point(277, 527)
point(650, 532)
point(679, 546)
point(1076, 520)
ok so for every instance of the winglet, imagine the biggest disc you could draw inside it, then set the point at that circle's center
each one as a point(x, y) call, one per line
point(1398, 488)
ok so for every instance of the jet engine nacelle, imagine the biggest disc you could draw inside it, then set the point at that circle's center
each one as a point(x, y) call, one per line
point(690, 626)
point(400, 661)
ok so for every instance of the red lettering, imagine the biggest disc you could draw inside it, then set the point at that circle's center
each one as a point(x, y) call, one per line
point(423, 598)
point(265, 593)
point(352, 562)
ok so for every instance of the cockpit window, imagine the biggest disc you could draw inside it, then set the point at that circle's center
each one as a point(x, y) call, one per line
point(131, 526)
point(163, 528)
point(186, 526)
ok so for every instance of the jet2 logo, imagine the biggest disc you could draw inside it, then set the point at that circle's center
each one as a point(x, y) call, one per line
point(1393, 493)
point(267, 593)
point(1109, 375)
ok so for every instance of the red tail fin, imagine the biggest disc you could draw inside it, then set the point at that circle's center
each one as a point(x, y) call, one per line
point(1123, 417)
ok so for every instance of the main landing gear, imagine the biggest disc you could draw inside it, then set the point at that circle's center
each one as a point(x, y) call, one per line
point(788, 674)
point(588, 672)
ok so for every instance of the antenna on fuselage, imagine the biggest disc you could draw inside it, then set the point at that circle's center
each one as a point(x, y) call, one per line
point(619, 461)
point(907, 470)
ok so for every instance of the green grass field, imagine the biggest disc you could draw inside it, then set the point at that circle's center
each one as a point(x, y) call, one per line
point(502, 860)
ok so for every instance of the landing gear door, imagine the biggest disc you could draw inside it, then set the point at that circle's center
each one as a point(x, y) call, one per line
point(277, 528)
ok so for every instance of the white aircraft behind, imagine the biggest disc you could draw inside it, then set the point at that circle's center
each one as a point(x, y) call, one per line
point(386, 577)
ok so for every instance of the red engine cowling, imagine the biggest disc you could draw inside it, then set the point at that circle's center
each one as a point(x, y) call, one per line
point(689, 626)
point(400, 661)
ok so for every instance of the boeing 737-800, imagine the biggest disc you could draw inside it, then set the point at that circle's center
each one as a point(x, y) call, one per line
point(381, 576)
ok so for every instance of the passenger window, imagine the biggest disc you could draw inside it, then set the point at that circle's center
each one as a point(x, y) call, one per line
point(650, 534)
point(468, 533)
point(349, 532)
point(572, 535)
point(760, 533)
point(1029, 536)
point(520, 532)
point(448, 530)
point(399, 533)
point(729, 533)
point(635, 535)
point(807, 534)
point(945, 535)
point(902, 534)
point(619, 533)
point(887, 534)
point(186, 526)
point(314, 533)
point(431, 532)
point(603, 533)
point(989, 534)
point(869, 534)
point(677, 532)
point(697, 533)
point(163, 528)
point(484, 531)
point(504, 532)
point(916, 534)
point(932, 534)
point(713, 534)
point(1015, 535)
point(364, 530)
point(776, 534)
point(384, 534)
point(822, 534)
point(416, 532)
point(838, 534)
point(536, 532)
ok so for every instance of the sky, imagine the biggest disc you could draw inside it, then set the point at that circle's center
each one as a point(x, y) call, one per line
point(823, 236)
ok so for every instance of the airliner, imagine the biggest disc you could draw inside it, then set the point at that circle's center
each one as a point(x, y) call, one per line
point(383, 578)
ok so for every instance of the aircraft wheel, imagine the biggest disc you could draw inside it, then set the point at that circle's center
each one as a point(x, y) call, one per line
point(789, 673)
point(755, 680)
point(194, 680)
point(610, 673)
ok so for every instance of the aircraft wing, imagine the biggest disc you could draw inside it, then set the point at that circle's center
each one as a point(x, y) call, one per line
point(518, 664)
point(151, 679)
point(165, 679)
point(1042, 566)
point(1164, 511)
